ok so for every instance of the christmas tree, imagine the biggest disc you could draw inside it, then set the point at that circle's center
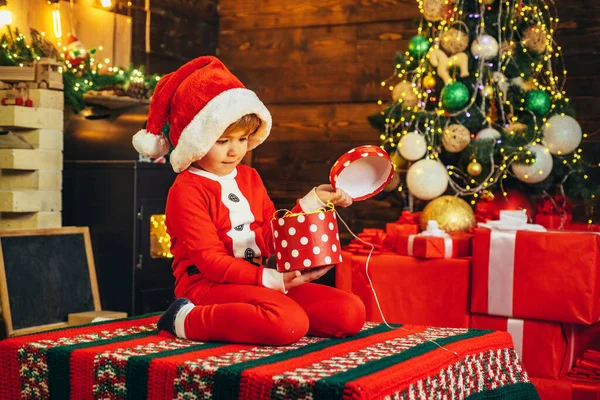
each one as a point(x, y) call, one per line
point(477, 105)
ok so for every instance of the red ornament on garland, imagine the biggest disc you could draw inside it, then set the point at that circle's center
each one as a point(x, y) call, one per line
point(490, 205)
point(76, 53)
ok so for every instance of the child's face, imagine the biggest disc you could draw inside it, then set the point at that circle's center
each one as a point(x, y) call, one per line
point(225, 154)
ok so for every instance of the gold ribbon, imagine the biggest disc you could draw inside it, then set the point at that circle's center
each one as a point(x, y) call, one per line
point(288, 214)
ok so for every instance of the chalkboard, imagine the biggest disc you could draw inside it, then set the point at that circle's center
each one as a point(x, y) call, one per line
point(44, 276)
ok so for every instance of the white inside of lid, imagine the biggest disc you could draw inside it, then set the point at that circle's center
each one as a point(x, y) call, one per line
point(364, 176)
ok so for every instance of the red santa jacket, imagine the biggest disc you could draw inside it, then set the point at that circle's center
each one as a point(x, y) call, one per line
point(217, 221)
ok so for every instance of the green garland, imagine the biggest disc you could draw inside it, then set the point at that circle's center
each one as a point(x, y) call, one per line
point(15, 50)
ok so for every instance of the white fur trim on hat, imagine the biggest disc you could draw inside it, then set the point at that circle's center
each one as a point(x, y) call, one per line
point(214, 118)
point(149, 144)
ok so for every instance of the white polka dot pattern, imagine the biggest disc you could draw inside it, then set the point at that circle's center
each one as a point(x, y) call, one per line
point(306, 241)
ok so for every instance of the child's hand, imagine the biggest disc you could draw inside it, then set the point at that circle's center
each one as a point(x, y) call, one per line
point(338, 197)
point(294, 279)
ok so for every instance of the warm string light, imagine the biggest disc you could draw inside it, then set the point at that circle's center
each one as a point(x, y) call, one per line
point(6, 17)
point(56, 23)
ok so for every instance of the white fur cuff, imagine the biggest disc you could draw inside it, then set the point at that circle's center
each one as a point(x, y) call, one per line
point(149, 144)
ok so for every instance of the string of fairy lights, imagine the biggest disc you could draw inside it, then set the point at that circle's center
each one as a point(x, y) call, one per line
point(417, 70)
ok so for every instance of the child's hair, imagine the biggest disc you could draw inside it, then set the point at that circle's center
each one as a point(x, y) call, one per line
point(249, 123)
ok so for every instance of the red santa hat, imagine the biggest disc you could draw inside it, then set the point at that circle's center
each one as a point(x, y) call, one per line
point(199, 100)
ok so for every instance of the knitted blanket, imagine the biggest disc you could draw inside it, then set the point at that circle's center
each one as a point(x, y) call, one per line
point(130, 359)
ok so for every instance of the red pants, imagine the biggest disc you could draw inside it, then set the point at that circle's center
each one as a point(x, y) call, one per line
point(251, 314)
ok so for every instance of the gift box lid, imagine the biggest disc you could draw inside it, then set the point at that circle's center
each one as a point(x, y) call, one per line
point(362, 172)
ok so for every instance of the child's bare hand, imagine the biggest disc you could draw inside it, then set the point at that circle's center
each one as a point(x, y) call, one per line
point(338, 197)
point(294, 279)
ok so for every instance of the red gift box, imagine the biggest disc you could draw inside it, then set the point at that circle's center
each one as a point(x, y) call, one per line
point(584, 227)
point(547, 349)
point(306, 240)
point(410, 290)
point(555, 222)
point(566, 389)
point(370, 240)
point(450, 246)
point(553, 276)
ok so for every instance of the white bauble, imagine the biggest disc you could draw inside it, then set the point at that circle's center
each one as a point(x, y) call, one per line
point(485, 47)
point(412, 146)
point(562, 134)
point(487, 133)
point(427, 179)
point(537, 171)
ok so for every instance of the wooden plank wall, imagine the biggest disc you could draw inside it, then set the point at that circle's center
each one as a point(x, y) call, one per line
point(317, 64)
point(180, 30)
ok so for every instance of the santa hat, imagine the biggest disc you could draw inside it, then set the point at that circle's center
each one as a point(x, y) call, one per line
point(200, 100)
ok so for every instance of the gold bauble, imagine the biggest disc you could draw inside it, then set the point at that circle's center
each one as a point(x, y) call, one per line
point(489, 2)
point(405, 91)
point(515, 127)
point(535, 39)
point(454, 41)
point(432, 10)
point(453, 214)
point(398, 161)
point(474, 168)
point(429, 82)
point(488, 91)
point(528, 85)
point(456, 138)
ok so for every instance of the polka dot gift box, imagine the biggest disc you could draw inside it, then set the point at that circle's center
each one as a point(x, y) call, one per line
point(362, 172)
point(304, 241)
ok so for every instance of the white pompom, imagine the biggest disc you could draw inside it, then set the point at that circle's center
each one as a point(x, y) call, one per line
point(149, 144)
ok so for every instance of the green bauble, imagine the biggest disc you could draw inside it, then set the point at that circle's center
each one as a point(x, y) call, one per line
point(538, 102)
point(418, 46)
point(455, 96)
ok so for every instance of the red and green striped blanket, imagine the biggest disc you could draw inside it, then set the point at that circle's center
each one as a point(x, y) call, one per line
point(130, 359)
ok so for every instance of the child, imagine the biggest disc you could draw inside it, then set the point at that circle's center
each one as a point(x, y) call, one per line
point(219, 219)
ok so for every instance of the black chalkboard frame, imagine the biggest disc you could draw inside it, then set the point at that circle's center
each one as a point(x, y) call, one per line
point(4, 295)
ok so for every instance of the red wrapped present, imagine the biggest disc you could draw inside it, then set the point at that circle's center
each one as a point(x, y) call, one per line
point(566, 389)
point(370, 240)
point(554, 212)
point(584, 227)
point(587, 366)
point(410, 290)
point(555, 222)
point(434, 243)
point(306, 240)
point(547, 349)
point(540, 275)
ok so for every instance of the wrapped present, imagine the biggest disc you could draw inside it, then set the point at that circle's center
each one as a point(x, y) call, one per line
point(306, 240)
point(566, 388)
point(434, 243)
point(587, 366)
point(522, 271)
point(410, 290)
point(547, 349)
point(554, 212)
point(407, 224)
point(369, 240)
point(584, 227)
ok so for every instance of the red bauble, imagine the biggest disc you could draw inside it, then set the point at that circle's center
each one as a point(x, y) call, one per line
point(28, 103)
point(489, 209)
